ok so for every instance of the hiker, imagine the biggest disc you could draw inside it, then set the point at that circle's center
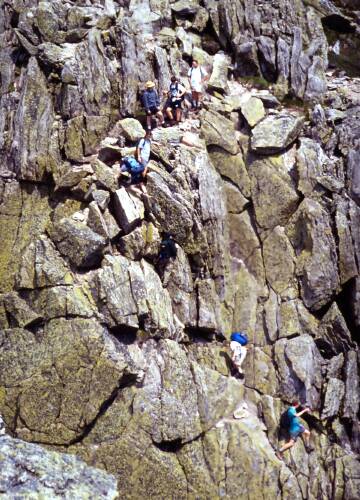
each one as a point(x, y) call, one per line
point(291, 424)
point(175, 98)
point(197, 77)
point(167, 251)
point(167, 248)
point(238, 342)
point(137, 167)
point(151, 103)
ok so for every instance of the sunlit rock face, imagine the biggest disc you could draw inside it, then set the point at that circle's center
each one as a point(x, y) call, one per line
point(107, 353)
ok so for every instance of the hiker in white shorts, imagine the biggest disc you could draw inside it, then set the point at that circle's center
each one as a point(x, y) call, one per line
point(197, 77)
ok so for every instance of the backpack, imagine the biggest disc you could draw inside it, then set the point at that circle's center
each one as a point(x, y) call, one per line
point(133, 166)
point(239, 337)
point(174, 88)
point(285, 420)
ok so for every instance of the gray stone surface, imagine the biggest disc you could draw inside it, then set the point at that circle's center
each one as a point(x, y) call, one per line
point(275, 133)
point(29, 471)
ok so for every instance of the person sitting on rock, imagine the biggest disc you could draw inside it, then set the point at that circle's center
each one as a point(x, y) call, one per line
point(238, 342)
point(291, 424)
point(151, 103)
point(197, 77)
point(137, 167)
point(175, 98)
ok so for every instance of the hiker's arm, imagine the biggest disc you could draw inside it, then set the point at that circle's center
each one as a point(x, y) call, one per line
point(138, 153)
point(146, 102)
point(305, 410)
point(144, 172)
point(205, 77)
point(182, 91)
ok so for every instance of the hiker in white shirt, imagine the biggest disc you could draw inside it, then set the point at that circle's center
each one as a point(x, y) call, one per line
point(197, 77)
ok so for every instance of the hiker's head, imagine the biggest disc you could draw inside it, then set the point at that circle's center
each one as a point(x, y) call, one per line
point(167, 236)
point(296, 404)
point(174, 79)
point(195, 63)
point(149, 85)
point(148, 133)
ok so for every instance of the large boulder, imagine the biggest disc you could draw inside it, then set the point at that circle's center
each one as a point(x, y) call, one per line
point(132, 129)
point(253, 110)
point(219, 131)
point(272, 178)
point(219, 76)
point(130, 293)
point(276, 132)
point(299, 367)
point(310, 233)
point(76, 241)
point(29, 471)
point(129, 209)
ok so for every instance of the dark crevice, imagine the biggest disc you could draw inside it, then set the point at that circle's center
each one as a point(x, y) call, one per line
point(124, 334)
point(337, 23)
point(199, 335)
point(345, 301)
point(172, 446)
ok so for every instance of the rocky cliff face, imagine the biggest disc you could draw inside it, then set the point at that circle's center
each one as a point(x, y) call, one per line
point(107, 356)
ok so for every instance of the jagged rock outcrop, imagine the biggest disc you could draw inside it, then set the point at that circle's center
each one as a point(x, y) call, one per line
point(112, 355)
point(29, 471)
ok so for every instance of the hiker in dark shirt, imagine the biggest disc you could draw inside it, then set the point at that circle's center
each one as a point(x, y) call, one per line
point(175, 98)
point(167, 248)
point(151, 103)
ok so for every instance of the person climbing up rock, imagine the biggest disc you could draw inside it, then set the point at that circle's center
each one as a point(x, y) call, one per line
point(175, 98)
point(290, 423)
point(167, 251)
point(151, 104)
point(238, 342)
point(137, 167)
point(197, 77)
point(168, 248)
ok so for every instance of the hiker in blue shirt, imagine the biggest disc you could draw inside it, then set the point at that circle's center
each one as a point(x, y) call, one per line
point(137, 167)
point(294, 428)
point(151, 103)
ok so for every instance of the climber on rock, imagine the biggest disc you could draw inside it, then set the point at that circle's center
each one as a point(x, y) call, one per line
point(168, 250)
point(238, 342)
point(175, 98)
point(151, 104)
point(291, 424)
point(137, 166)
point(197, 77)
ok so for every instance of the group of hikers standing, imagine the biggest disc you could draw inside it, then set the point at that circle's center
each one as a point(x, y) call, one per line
point(197, 77)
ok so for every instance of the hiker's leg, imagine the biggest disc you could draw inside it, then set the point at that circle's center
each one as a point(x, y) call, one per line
point(199, 99)
point(148, 121)
point(287, 445)
point(169, 113)
point(178, 114)
point(194, 98)
point(306, 437)
point(160, 116)
point(237, 365)
point(243, 353)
